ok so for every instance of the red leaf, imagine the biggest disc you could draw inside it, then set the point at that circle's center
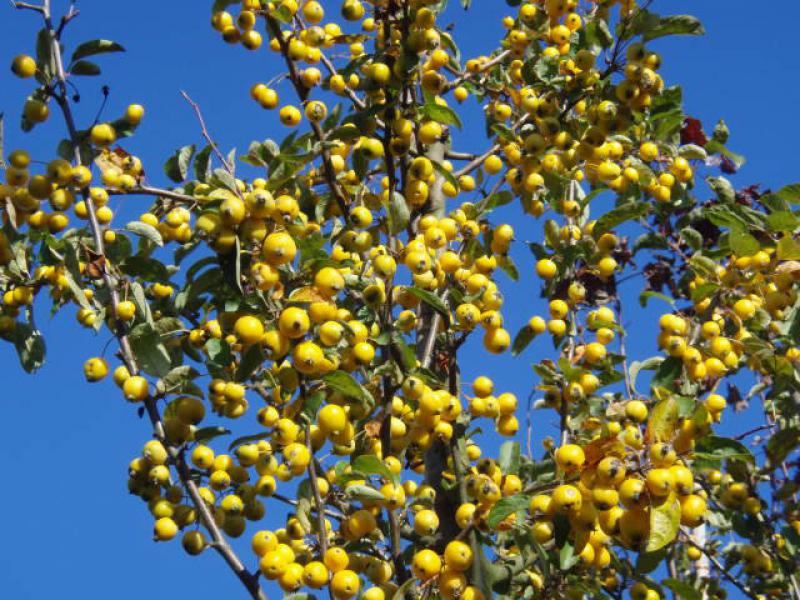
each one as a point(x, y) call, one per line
point(692, 132)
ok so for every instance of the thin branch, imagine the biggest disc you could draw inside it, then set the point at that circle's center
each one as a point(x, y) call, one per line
point(722, 570)
point(209, 140)
point(750, 432)
point(312, 471)
point(145, 190)
point(468, 75)
point(26, 6)
point(626, 371)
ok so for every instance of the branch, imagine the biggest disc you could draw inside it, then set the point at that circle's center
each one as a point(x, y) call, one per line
point(220, 544)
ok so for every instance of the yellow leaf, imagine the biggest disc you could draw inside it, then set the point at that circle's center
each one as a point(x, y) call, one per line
point(307, 293)
point(665, 520)
point(600, 448)
point(663, 421)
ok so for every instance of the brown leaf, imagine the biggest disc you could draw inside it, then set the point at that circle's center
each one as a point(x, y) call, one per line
point(373, 429)
point(307, 293)
point(95, 264)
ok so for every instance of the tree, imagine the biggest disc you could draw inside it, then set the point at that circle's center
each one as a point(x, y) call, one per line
point(335, 287)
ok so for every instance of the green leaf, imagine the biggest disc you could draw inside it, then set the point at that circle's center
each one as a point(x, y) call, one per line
point(721, 132)
point(95, 47)
point(222, 5)
point(647, 562)
point(788, 248)
point(744, 244)
point(521, 341)
point(692, 237)
point(722, 188)
point(202, 164)
point(177, 165)
point(567, 557)
point(447, 175)
point(682, 589)
point(2, 136)
point(782, 443)
point(783, 221)
point(647, 294)
point(369, 464)
point(650, 364)
point(84, 67)
point(44, 57)
point(431, 300)
point(712, 447)
point(507, 506)
point(282, 14)
point(311, 404)
point(205, 434)
point(703, 291)
point(509, 457)
point(667, 373)
point(398, 213)
point(404, 591)
point(150, 352)
point(598, 35)
point(179, 380)
point(692, 152)
point(252, 358)
point(716, 147)
point(139, 298)
point(343, 382)
point(246, 439)
point(496, 200)
point(441, 114)
point(789, 193)
point(146, 231)
point(703, 266)
point(641, 22)
point(30, 346)
point(674, 25)
point(665, 521)
point(364, 493)
point(509, 267)
point(619, 215)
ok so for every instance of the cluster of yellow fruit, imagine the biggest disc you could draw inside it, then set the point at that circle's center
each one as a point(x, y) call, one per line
point(752, 284)
point(592, 503)
point(347, 246)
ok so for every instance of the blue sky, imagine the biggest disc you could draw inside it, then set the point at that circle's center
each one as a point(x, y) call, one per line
point(70, 526)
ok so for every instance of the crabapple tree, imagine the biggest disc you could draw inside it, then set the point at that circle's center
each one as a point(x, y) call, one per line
point(314, 295)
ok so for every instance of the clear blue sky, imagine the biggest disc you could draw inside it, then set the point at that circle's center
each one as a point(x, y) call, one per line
point(70, 529)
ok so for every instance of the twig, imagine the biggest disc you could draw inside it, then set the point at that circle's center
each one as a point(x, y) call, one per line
point(750, 432)
point(145, 190)
point(228, 167)
point(722, 570)
point(626, 371)
point(466, 76)
point(27, 6)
